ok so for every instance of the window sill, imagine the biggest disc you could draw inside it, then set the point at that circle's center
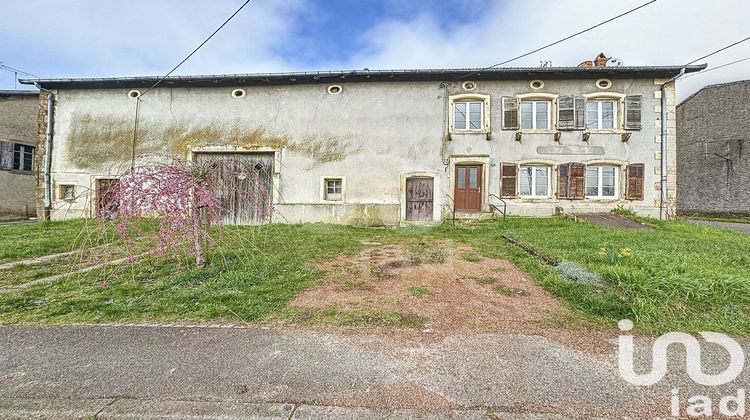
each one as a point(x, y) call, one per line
point(18, 171)
point(534, 131)
point(607, 131)
point(469, 131)
point(603, 199)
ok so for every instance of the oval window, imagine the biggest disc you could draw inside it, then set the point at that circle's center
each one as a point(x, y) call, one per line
point(469, 85)
point(536, 84)
point(134, 94)
point(603, 83)
point(238, 93)
point(334, 89)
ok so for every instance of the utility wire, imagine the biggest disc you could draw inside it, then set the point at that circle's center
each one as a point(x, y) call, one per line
point(199, 47)
point(16, 71)
point(138, 100)
point(562, 40)
point(719, 50)
point(715, 68)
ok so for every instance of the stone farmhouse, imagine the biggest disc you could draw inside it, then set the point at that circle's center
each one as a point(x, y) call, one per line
point(713, 151)
point(18, 136)
point(380, 147)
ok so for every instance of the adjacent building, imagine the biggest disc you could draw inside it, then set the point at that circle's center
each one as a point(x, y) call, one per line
point(18, 136)
point(713, 151)
point(380, 147)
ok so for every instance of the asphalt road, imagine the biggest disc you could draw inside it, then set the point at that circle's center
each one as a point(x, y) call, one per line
point(170, 372)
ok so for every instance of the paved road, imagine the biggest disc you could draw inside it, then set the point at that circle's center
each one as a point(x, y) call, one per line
point(170, 372)
point(740, 227)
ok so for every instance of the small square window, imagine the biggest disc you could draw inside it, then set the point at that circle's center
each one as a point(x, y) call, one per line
point(68, 192)
point(23, 157)
point(333, 188)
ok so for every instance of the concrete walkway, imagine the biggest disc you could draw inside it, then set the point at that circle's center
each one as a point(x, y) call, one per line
point(740, 227)
point(175, 372)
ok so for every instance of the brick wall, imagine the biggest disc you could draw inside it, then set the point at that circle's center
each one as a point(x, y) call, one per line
point(713, 150)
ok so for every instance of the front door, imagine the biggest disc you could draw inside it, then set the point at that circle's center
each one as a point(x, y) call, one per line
point(419, 198)
point(468, 192)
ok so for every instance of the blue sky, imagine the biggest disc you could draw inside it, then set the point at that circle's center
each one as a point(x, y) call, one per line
point(104, 38)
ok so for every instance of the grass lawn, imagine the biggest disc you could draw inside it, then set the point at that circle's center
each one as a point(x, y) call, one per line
point(680, 277)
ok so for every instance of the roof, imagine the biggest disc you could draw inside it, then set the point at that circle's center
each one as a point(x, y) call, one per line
point(714, 86)
point(366, 75)
point(7, 93)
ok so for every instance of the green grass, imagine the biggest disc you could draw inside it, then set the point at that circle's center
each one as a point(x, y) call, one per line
point(419, 291)
point(680, 277)
point(28, 240)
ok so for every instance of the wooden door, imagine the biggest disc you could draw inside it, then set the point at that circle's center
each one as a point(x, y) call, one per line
point(105, 190)
point(468, 190)
point(244, 184)
point(419, 198)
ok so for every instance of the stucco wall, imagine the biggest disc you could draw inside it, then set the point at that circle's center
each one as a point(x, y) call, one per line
point(371, 134)
point(713, 150)
point(18, 124)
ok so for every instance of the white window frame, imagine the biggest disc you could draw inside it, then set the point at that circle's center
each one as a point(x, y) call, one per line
point(600, 182)
point(24, 148)
point(533, 180)
point(600, 114)
point(468, 98)
point(533, 103)
point(335, 198)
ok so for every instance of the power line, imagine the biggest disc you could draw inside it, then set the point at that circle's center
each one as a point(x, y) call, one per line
point(199, 47)
point(715, 68)
point(563, 39)
point(16, 71)
point(719, 50)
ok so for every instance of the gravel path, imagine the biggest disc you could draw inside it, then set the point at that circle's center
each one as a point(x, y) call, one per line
point(262, 373)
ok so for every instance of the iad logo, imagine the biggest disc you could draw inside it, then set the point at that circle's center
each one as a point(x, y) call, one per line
point(699, 405)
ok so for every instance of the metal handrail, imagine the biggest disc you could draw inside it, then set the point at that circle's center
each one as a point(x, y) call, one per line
point(504, 211)
point(452, 209)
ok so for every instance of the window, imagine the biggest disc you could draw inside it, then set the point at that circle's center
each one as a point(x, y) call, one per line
point(68, 192)
point(23, 157)
point(601, 181)
point(468, 115)
point(333, 188)
point(534, 181)
point(535, 115)
point(601, 114)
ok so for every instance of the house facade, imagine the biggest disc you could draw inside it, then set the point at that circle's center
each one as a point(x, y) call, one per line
point(18, 136)
point(381, 147)
point(713, 151)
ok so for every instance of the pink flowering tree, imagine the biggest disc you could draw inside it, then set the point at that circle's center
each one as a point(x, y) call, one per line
point(181, 196)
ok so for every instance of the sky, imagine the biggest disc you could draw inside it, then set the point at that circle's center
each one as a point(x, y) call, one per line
point(108, 38)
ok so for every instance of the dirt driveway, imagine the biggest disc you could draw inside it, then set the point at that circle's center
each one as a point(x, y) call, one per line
point(444, 288)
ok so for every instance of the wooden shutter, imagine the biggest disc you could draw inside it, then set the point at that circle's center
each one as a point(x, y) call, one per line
point(510, 113)
point(633, 112)
point(580, 109)
point(571, 111)
point(566, 113)
point(577, 181)
point(635, 175)
point(563, 181)
point(6, 155)
point(508, 180)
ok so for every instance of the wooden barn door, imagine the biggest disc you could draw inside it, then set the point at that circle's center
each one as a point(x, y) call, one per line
point(419, 198)
point(244, 184)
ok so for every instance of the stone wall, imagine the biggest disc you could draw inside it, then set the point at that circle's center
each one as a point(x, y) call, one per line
point(713, 151)
point(18, 112)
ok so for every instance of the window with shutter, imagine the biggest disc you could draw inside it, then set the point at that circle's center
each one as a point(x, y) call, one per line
point(633, 112)
point(508, 180)
point(580, 110)
point(635, 175)
point(571, 112)
point(510, 113)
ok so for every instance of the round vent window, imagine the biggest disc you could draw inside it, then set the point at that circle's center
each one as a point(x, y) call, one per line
point(134, 94)
point(238, 93)
point(469, 85)
point(604, 83)
point(335, 89)
point(536, 84)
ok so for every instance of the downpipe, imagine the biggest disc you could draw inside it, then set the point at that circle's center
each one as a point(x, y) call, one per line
point(664, 178)
point(47, 163)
